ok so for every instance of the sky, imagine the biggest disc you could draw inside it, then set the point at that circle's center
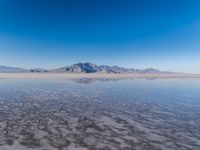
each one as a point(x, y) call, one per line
point(130, 33)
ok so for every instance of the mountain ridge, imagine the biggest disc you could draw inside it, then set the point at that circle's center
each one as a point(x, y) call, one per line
point(84, 68)
point(93, 68)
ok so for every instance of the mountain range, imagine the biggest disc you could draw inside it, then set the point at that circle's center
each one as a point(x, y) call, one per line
point(84, 68)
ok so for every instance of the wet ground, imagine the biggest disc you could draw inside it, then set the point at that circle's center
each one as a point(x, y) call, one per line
point(140, 114)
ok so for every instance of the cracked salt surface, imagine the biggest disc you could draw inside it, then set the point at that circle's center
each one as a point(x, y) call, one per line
point(161, 114)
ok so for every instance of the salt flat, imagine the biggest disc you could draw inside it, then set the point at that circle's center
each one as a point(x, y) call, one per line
point(91, 75)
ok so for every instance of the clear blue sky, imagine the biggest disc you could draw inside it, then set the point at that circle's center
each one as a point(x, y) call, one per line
point(130, 33)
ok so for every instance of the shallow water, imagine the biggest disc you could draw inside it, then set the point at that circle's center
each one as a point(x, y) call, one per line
point(89, 114)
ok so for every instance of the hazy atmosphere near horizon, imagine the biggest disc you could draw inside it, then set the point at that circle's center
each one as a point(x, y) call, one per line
point(132, 33)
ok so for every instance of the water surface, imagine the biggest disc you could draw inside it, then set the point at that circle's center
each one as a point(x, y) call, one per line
point(89, 114)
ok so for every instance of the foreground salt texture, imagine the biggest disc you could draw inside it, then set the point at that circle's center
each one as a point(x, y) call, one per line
point(121, 115)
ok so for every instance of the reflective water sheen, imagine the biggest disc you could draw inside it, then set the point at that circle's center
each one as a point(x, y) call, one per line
point(139, 114)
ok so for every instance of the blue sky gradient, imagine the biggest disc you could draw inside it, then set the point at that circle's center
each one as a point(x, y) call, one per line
point(130, 33)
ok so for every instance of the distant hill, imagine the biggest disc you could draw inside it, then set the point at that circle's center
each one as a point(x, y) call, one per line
point(11, 69)
point(38, 70)
point(93, 68)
